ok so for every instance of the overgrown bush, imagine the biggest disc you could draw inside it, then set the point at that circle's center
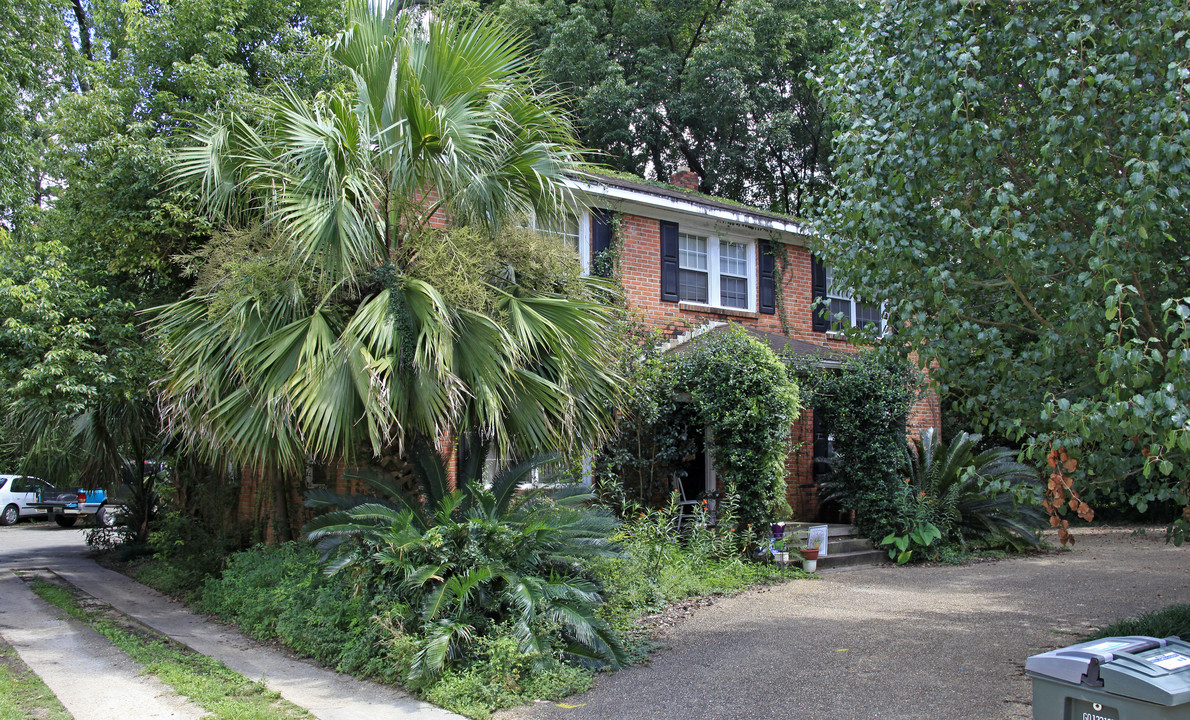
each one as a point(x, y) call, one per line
point(281, 593)
point(724, 381)
point(192, 533)
point(456, 565)
point(661, 563)
point(358, 619)
point(500, 675)
point(866, 403)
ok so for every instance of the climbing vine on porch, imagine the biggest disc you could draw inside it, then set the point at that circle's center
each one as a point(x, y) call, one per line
point(726, 382)
point(781, 272)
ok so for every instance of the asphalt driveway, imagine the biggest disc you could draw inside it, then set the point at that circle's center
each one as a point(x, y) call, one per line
point(927, 643)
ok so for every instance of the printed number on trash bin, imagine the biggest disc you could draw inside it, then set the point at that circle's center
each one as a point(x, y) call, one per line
point(1083, 710)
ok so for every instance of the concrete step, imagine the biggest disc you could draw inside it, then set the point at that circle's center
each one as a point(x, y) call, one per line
point(831, 531)
point(852, 559)
point(848, 544)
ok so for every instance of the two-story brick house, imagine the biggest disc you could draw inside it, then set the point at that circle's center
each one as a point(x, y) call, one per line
point(690, 262)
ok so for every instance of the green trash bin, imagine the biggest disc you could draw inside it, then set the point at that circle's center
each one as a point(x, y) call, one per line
point(1115, 678)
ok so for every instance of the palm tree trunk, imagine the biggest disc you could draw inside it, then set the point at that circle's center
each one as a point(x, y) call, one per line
point(282, 525)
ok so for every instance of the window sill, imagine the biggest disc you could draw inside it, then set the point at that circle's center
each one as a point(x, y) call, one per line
point(716, 310)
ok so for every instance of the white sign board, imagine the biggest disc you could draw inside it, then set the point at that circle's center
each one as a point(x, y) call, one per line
point(816, 537)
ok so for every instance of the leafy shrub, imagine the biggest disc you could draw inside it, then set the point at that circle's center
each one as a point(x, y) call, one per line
point(659, 565)
point(985, 495)
point(866, 404)
point(280, 593)
point(455, 565)
point(501, 675)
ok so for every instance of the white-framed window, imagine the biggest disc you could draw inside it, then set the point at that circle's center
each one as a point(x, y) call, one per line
point(854, 313)
point(573, 229)
point(546, 475)
point(715, 271)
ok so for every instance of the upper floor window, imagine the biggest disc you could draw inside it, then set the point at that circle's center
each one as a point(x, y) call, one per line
point(573, 230)
point(713, 271)
point(854, 313)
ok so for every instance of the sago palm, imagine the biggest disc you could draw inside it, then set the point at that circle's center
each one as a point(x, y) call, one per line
point(463, 561)
point(348, 350)
point(984, 494)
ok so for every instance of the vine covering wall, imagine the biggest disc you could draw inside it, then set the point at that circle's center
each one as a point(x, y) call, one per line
point(865, 404)
point(727, 382)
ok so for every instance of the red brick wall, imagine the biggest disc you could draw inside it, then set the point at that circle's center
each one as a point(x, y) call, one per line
point(640, 267)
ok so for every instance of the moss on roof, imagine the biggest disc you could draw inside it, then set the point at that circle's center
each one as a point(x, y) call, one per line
point(630, 177)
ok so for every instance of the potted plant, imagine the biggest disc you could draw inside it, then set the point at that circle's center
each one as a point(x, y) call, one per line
point(779, 546)
point(809, 555)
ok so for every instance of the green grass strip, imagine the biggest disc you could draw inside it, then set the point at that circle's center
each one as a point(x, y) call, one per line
point(22, 694)
point(208, 683)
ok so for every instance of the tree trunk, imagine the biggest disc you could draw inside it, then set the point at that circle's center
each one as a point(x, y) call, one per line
point(282, 520)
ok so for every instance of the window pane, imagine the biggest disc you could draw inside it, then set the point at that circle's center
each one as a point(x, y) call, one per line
point(692, 252)
point(565, 229)
point(733, 259)
point(692, 286)
point(841, 306)
point(733, 291)
point(867, 314)
point(831, 288)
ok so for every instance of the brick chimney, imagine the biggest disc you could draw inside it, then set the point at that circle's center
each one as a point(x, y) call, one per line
point(685, 178)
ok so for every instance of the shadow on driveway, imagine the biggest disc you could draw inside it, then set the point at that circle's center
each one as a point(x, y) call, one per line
point(921, 643)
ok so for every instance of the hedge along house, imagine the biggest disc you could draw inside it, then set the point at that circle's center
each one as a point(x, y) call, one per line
point(690, 264)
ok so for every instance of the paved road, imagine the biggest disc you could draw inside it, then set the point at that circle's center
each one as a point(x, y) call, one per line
point(920, 643)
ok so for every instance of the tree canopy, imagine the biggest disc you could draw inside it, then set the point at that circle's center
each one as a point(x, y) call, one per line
point(94, 96)
point(1011, 183)
point(714, 85)
point(345, 349)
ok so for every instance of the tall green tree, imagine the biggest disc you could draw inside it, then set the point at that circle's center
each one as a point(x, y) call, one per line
point(714, 85)
point(94, 96)
point(146, 70)
point(345, 350)
point(1011, 183)
point(37, 66)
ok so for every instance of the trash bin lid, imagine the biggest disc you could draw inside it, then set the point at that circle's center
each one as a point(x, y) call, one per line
point(1152, 669)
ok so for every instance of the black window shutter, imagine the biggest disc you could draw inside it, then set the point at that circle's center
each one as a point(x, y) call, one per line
point(601, 242)
point(669, 261)
point(819, 321)
point(768, 283)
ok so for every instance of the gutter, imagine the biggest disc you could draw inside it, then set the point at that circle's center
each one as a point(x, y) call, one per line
point(687, 207)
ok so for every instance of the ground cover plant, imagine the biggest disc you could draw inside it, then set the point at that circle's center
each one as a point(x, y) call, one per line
point(368, 618)
point(668, 557)
point(1172, 620)
point(206, 682)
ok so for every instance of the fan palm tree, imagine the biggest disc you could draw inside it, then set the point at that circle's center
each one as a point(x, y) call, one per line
point(444, 121)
